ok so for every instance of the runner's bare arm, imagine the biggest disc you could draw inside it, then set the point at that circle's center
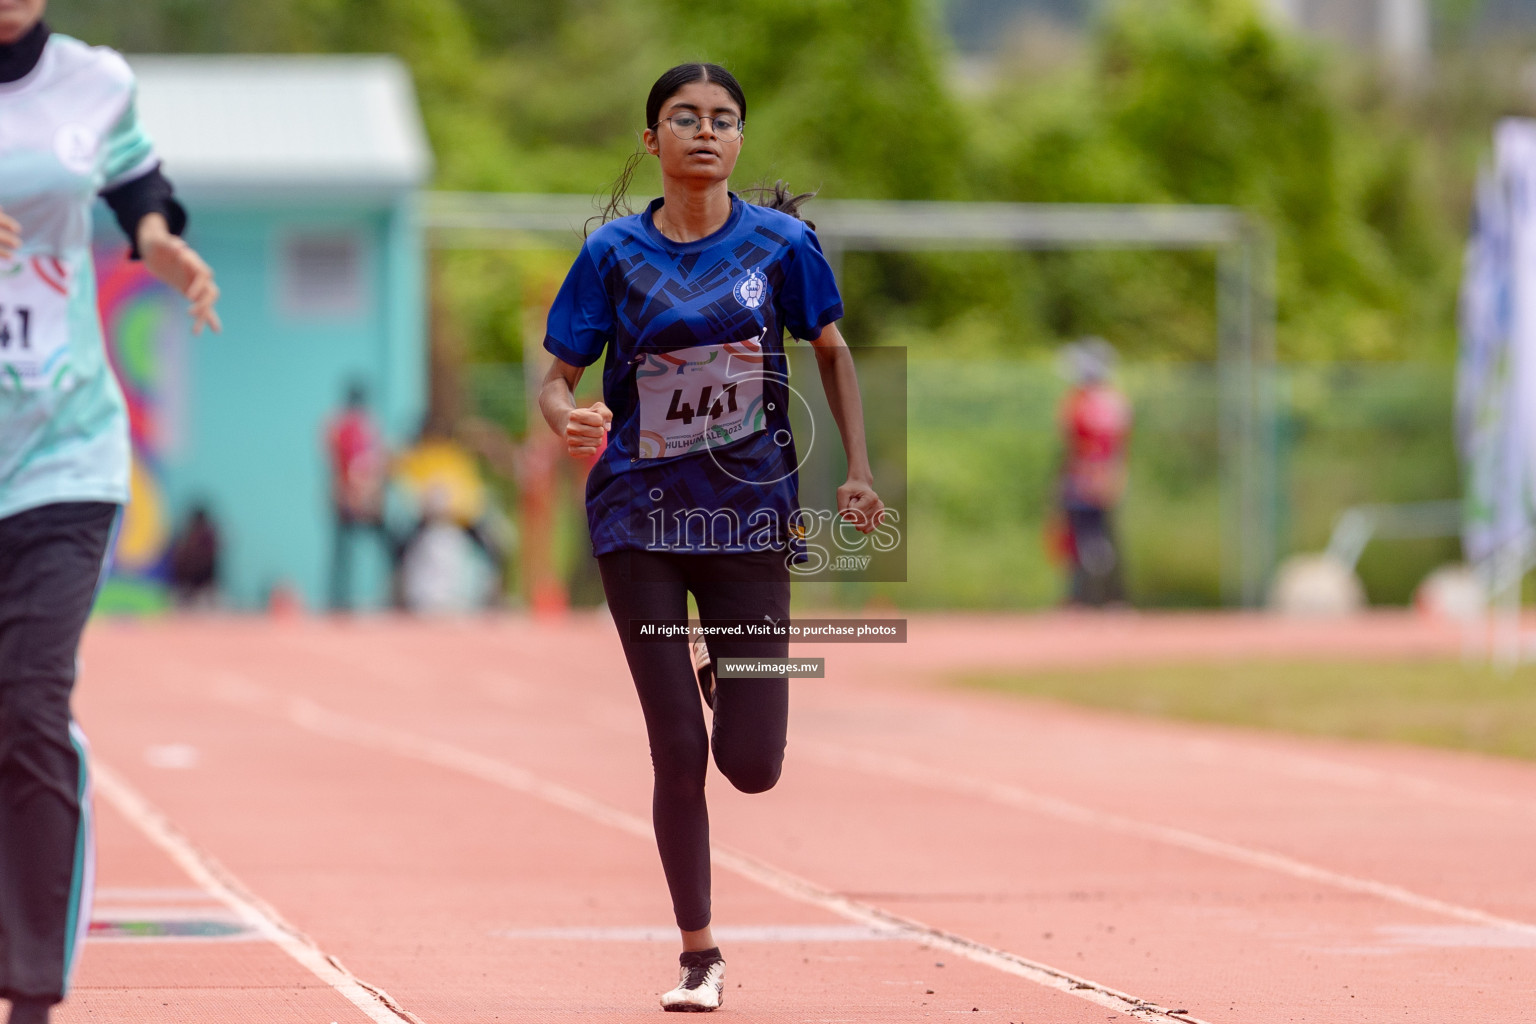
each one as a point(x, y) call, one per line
point(10, 235)
point(177, 264)
point(857, 501)
point(582, 429)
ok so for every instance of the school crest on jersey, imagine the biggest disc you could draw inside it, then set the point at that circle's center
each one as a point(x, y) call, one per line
point(75, 146)
point(752, 290)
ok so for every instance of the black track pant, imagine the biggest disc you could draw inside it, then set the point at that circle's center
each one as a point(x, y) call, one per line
point(50, 564)
point(750, 715)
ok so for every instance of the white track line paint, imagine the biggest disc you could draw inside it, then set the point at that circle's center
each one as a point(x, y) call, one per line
point(208, 873)
point(904, 769)
point(503, 687)
point(725, 933)
point(156, 896)
point(144, 912)
point(1454, 936)
point(311, 716)
point(1314, 768)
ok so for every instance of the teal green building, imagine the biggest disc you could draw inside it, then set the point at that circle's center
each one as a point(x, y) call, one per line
point(301, 176)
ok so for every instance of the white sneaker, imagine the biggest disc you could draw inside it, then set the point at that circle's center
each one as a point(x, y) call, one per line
point(700, 985)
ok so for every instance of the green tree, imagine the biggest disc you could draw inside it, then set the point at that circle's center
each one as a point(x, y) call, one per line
point(1197, 101)
point(847, 97)
point(1202, 101)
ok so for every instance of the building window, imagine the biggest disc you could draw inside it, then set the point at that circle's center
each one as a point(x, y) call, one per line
point(322, 274)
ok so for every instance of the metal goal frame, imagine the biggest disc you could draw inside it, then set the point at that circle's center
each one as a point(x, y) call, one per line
point(1245, 304)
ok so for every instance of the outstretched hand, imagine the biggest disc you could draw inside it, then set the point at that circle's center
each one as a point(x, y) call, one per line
point(166, 256)
point(177, 264)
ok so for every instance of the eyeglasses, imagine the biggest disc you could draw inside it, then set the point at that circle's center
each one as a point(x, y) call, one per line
point(686, 126)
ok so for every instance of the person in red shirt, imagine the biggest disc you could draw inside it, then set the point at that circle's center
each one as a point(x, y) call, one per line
point(1095, 425)
point(359, 463)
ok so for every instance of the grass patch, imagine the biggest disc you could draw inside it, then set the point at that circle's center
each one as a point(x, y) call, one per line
point(1437, 703)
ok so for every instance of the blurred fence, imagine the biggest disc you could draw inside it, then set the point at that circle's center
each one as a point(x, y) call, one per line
point(983, 450)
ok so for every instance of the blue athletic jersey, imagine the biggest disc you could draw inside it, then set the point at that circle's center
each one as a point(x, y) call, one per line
point(700, 456)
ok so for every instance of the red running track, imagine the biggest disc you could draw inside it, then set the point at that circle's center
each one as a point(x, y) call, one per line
point(446, 822)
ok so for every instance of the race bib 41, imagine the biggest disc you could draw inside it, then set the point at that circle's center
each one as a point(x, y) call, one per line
point(34, 323)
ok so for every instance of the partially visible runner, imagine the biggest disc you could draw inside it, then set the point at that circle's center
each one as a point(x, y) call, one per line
point(68, 132)
point(687, 303)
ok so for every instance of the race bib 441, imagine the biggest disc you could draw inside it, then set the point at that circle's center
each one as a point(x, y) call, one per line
point(700, 397)
point(34, 323)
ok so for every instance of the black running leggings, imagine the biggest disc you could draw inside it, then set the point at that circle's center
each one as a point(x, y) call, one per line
point(751, 715)
point(50, 564)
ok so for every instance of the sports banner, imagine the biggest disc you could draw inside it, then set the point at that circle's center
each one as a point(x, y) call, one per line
point(1496, 368)
point(146, 331)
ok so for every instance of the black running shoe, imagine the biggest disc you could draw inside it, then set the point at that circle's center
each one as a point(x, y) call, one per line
point(701, 983)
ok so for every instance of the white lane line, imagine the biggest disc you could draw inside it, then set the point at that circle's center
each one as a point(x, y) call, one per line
point(158, 895)
point(1319, 769)
point(1348, 775)
point(726, 933)
point(905, 769)
point(214, 879)
point(322, 721)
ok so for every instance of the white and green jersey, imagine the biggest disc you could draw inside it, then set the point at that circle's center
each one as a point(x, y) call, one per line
point(68, 130)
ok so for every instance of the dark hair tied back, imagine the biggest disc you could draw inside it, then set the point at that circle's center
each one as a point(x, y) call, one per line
point(778, 197)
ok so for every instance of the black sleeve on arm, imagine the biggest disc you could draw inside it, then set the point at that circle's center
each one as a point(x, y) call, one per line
point(146, 194)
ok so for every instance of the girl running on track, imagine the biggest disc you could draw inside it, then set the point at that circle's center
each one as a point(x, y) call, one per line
point(68, 132)
point(695, 487)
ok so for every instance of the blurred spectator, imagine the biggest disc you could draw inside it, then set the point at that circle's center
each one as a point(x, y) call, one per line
point(194, 561)
point(439, 570)
point(1095, 423)
point(358, 461)
point(442, 477)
